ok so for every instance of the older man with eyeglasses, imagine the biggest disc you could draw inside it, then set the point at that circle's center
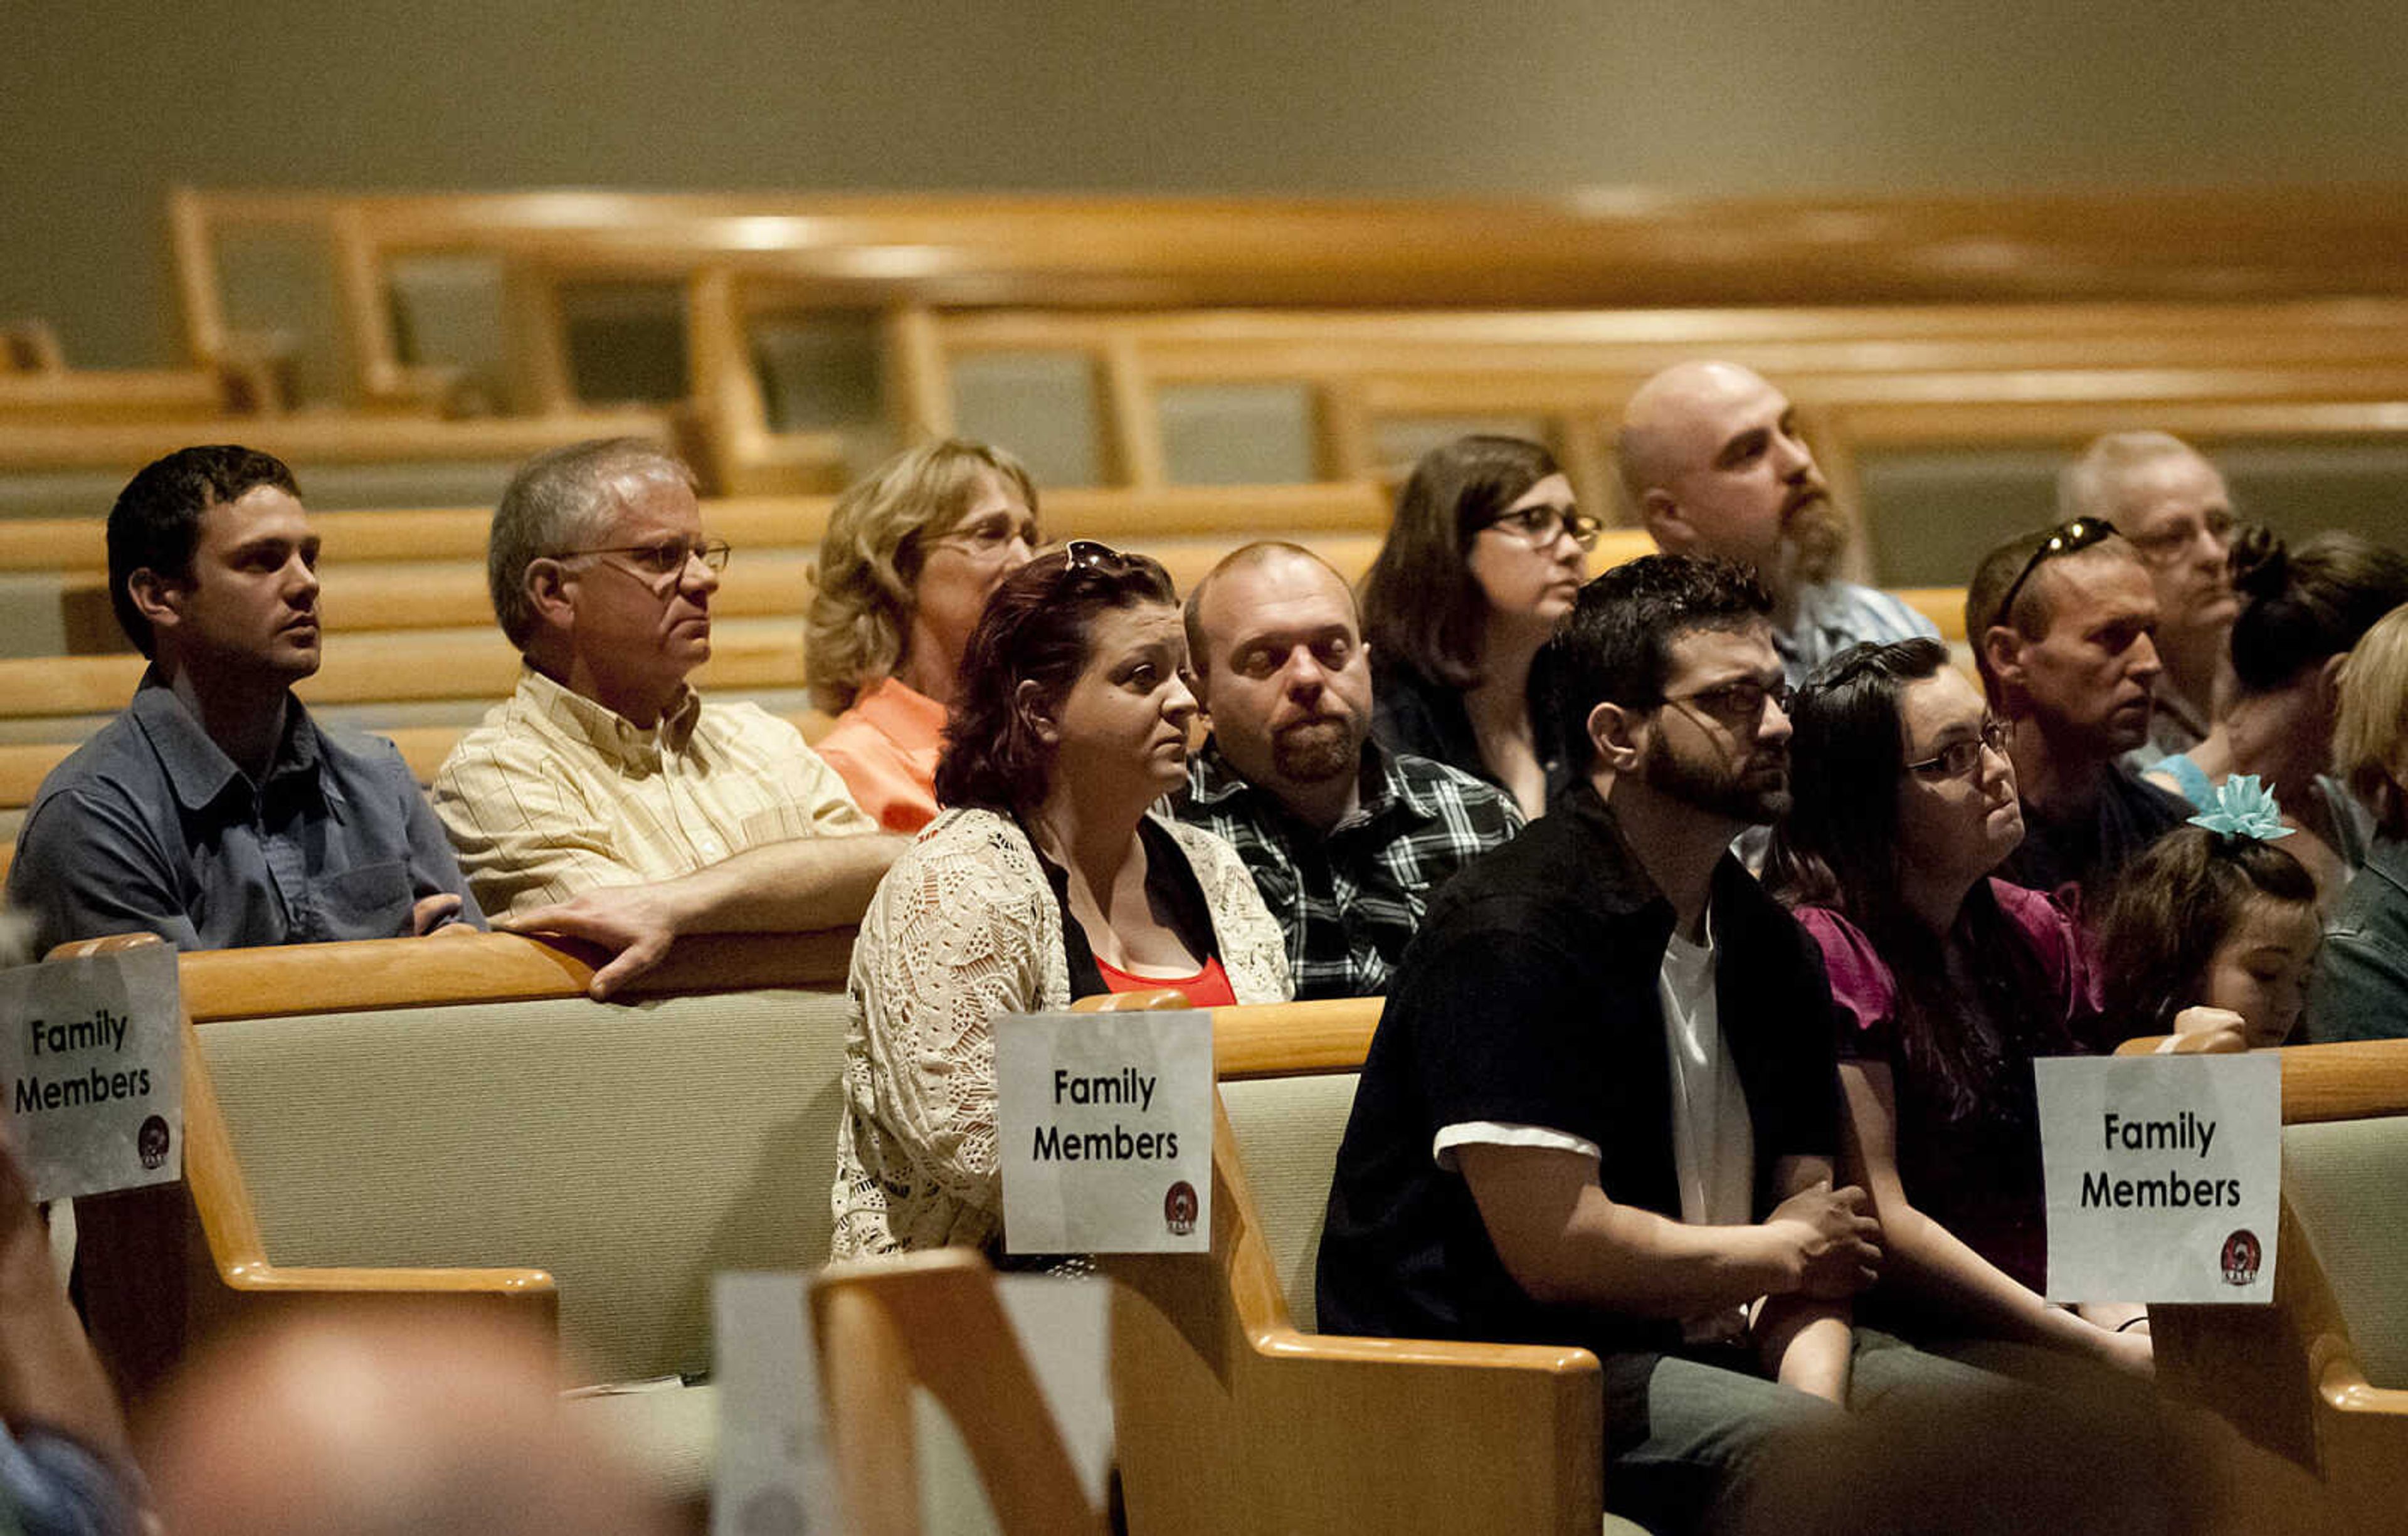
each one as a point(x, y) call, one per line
point(2174, 507)
point(605, 801)
point(2063, 625)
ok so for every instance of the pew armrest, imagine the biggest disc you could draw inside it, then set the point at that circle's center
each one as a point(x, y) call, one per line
point(1225, 1429)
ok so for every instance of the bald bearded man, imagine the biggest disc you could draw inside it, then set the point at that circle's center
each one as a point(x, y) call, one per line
point(1711, 460)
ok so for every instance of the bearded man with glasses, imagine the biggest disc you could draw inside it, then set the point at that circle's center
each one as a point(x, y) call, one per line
point(2063, 626)
point(1602, 1105)
point(605, 801)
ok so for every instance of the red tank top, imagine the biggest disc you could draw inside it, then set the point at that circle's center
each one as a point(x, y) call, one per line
point(1207, 988)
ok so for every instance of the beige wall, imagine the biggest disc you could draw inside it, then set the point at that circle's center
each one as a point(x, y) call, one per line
point(103, 105)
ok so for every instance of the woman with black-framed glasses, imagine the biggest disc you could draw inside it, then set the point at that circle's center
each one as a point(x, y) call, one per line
point(1485, 556)
point(1049, 877)
point(1945, 984)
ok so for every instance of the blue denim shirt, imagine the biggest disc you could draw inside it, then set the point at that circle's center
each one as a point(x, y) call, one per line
point(151, 827)
point(2359, 990)
point(1834, 615)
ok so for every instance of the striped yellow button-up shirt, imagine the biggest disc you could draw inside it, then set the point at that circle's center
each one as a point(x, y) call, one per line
point(554, 795)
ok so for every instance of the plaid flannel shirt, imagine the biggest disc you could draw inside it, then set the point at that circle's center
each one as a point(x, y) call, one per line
point(1350, 900)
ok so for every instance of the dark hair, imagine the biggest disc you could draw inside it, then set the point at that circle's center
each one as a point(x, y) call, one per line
point(1034, 629)
point(1421, 605)
point(2298, 608)
point(1616, 643)
point(156, 523)
point(1839, 848)
point(2170, 908)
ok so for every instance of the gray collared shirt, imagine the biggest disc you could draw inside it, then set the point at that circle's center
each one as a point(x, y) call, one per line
point(151, 827)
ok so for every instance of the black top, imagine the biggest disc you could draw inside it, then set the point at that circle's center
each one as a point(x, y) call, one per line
point(1530, 997)
point(1412, 714)
point(1171, 890)
point(2087, 850)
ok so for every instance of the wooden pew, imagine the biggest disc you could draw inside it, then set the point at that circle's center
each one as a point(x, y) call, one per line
point(885, 253)
point(1235, 1416)
point(2321, 1375)
point(452, 1121)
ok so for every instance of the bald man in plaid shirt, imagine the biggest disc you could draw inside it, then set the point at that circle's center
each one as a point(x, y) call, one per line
point(1346, 840)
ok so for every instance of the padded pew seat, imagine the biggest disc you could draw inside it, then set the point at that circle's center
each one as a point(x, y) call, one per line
point(418, 1109)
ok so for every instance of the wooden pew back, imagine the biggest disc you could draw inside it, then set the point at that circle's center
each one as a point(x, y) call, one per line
point(409, 1107)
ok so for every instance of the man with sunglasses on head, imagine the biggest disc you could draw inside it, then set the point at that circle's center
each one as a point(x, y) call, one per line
point(1713, 463)
point(1602, 1105)
point(2063, 625)
point(215, 812)
point(605, 801)
point(2173, 507)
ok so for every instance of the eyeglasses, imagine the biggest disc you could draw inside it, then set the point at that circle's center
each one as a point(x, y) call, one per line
point(990, 537)
point(1540, 526)
point(1741, 702)
point(1962, 758)
point(2167, 545)
point(2064, 539)
point(665, 559)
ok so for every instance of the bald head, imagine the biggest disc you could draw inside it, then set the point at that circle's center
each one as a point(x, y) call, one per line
point(389, 1425)
point(1712, 461)
point(1278, 648)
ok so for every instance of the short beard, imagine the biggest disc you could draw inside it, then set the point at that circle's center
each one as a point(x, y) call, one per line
point(1815, 540)
point(1712, 789)
point(1316, 753)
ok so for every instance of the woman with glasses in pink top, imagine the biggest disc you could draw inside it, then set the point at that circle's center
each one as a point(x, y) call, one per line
point(1484, 559)
point(909, 559)
point(1945, 984)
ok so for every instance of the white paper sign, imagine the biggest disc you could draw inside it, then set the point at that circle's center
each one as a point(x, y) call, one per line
point(91, 1062)
point(2164, 1176)
point(773, 1477)
point(1064, 1327)
point(1104, 1125)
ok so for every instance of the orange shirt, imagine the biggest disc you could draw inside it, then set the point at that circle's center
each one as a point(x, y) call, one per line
point(886, 749)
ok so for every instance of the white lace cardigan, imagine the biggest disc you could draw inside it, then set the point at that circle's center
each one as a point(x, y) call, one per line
point(965, 926)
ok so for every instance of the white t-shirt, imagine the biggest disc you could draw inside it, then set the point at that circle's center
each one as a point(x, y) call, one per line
point(1714, 1141)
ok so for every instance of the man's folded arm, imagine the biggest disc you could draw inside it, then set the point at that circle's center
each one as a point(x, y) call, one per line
point(1564, 1242)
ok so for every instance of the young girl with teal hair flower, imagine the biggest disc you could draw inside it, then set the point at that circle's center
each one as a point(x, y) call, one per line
point(2215, 919)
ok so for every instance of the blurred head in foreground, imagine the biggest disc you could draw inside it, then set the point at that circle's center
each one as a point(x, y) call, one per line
point(404, 1423)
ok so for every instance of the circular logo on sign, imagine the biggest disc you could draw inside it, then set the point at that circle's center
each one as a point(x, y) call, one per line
point(151, 1141)
point(2241, 1253)
point(1179, 1209)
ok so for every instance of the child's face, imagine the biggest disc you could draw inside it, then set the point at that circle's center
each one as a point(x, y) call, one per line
point(2260, 970)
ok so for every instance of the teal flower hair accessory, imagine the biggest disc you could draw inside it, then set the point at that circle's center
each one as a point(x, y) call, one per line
point(2244, 807)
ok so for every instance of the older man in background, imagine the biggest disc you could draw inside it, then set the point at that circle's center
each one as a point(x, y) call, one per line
point(605, 801)
point(1713, 462)
point(2173, 507)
